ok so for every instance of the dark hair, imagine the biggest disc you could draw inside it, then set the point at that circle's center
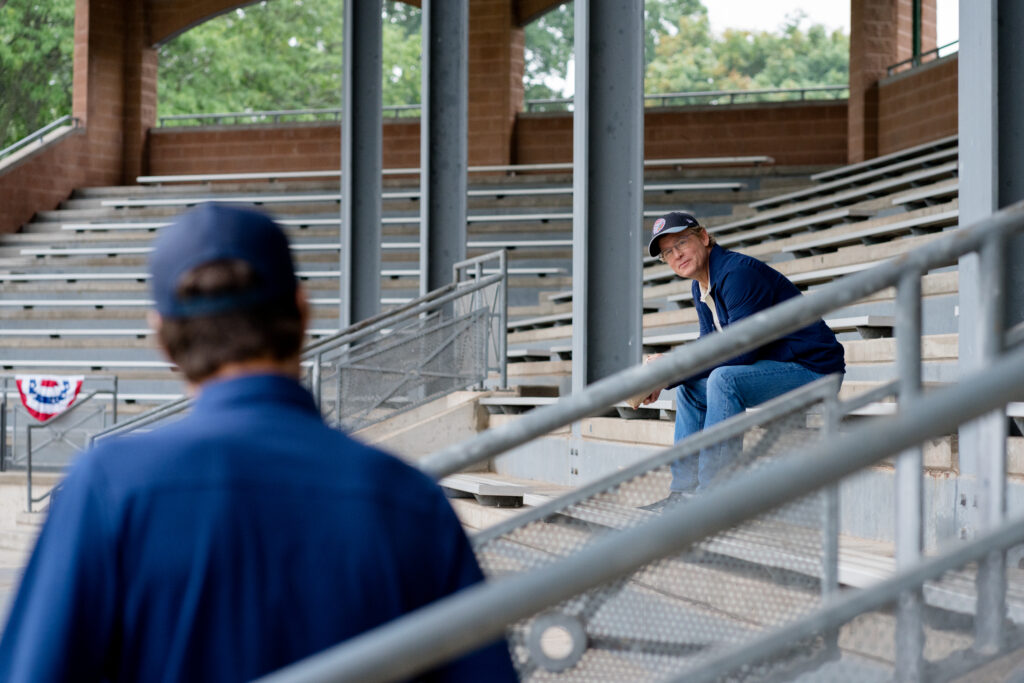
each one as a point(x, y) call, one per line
point(201, 345)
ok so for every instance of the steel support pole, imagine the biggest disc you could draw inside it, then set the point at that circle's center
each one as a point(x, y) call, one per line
point(909, 495)
point(608, 180)
point(979, 173)
point(361, 159)
point(991, 576)
point(443, 140)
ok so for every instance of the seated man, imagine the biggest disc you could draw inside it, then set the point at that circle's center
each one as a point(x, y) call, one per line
point(248, 534)
point(729, 286)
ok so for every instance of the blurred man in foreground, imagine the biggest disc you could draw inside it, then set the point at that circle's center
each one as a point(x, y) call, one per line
point(248, 534)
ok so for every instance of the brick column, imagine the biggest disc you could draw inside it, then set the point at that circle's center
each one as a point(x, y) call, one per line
point(140, 71)
point(114, 92)
point(495, 80)
point(881, 34)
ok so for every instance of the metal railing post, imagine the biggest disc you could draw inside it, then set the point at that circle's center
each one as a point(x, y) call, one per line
point(114, 409)
point(28, 467)
point(830, 531)
point(314, 378)
point(3, 425)
point(991, 577)
point(909, 471)
point(503, 319)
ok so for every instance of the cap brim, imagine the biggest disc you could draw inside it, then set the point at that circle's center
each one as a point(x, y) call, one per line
point(653, 244)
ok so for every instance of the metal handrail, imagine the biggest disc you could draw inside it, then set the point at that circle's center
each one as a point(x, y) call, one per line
point(918, 60)
point(743, 336)
point(479, 614)
point(663, 98)
point(397, 110)
point(351, 335)
point(276, 115)
point(38, 135)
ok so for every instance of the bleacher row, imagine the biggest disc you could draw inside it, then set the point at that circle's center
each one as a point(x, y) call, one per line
point(74, 281)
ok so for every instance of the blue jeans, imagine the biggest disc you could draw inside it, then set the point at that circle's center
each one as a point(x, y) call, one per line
point(727, 391)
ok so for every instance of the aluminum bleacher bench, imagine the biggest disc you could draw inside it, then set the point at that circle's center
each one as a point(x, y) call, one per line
point(244, 199)
point(886, 159)
point(851, 196)
point(552, 320)
point(487, 490)
point(298, 198)
point(131, 251)
point(511, 169)
point(138, 333)
point(869, 235)
point(939, 192)
point(119, 250)
point(868, 326)
point(861, 178)
point(143, 303)
point(89, 364)
point(528, 355)
point(815, 221)
point(514, 405)
point(155, 225)
point(119, 276)
point(542, 217)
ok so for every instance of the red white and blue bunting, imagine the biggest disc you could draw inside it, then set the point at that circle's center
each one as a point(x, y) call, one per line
point(47, 396)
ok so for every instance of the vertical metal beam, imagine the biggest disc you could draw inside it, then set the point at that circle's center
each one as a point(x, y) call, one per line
point(361, 159)
point(991, 107)
point(991, 576)
point(909, 494)
point(608, 212)
point(978, 131)
point(443, 140)
point(1011, 139)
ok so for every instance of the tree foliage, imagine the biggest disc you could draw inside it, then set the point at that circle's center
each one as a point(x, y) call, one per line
point(682, 54)
point(692, 59)
point(286, 54)
point(36, 46)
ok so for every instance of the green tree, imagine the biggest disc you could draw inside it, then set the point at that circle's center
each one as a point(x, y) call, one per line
point(36, 48)
point(549, 41)
point(693, 59)
point(284, 54)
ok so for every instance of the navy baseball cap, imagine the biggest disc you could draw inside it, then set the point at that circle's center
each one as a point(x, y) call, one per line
point(215, 232)
point(670, 223)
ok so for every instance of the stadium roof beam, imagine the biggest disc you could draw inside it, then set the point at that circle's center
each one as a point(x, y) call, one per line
point(361, 162)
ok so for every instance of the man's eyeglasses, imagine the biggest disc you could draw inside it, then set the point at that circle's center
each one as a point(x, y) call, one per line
point(674, 249)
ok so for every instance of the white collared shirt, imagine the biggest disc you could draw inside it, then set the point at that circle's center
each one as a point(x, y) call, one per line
point(706, 298)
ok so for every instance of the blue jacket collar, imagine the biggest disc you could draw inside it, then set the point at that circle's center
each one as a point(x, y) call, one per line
point(246, 389)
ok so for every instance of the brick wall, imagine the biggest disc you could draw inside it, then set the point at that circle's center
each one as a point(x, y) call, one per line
point(295, 147)
point(881, 34)
point(917, 106)
point(794, 133)
point(495, 80)
point(43, 180)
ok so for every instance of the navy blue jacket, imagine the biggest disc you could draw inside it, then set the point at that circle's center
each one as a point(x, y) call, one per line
point(225, 546)
point(742, 286)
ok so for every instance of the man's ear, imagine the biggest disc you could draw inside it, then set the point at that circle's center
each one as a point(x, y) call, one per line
point(705, 238)
point(156, 322)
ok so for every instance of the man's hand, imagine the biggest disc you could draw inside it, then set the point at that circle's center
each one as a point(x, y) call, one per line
point(653, 396)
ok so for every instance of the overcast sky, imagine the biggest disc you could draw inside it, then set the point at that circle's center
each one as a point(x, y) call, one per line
point(767, 15)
